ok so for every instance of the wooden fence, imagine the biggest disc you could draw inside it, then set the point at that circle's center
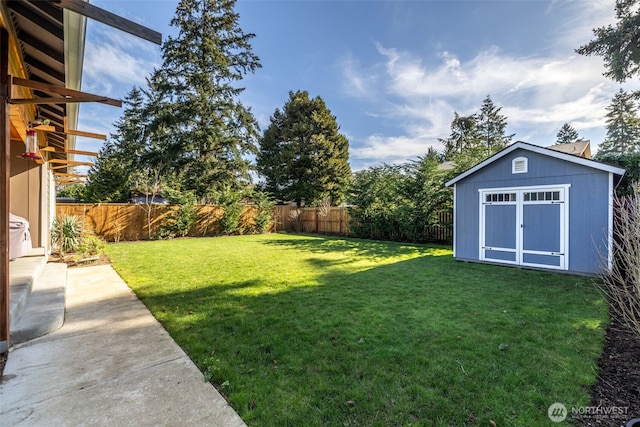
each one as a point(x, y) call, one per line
point(333, 220)
point(116, 222)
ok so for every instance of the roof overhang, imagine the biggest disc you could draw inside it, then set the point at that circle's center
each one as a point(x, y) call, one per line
point(540, 150)
point(47, 46)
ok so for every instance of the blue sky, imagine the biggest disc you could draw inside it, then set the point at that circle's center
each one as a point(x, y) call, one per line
point(392, 72)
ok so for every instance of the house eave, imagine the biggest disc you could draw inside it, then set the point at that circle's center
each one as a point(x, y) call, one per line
point(75, 29)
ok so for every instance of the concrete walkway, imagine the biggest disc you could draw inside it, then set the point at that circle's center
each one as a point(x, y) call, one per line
point(111, 363)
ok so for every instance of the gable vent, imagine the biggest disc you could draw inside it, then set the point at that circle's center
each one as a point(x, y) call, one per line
point(519, 165)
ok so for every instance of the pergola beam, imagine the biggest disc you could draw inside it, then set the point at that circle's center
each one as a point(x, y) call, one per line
point(69, 95)
point(71, 175)
point(79, 152)
point(111, 19)
point(70, 162)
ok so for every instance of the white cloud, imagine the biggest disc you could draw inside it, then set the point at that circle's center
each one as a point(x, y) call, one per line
point(391, 149)
point(113, 57)
point(538, 92)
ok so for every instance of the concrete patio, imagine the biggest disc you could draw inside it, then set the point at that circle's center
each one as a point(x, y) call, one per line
point(110, 363)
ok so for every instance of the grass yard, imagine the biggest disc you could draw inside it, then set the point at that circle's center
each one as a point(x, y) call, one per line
point(299, 330)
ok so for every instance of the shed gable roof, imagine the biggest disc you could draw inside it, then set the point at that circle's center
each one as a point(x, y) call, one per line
point(540, 150)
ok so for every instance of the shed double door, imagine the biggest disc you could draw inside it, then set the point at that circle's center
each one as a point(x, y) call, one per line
point(525, 226)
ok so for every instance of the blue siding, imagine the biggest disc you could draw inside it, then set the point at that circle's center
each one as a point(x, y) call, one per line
point(587, 197)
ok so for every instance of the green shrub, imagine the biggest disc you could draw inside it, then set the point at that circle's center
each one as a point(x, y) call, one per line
point(179, 222)
point(399, 202)
point(90, 245)
point(231, 203)
point(263, 216)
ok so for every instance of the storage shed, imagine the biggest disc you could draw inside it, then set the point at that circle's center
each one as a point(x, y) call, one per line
point(536, 207)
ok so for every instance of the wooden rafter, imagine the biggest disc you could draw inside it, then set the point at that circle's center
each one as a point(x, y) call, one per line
point(70, 175)
point(82, 133)
point(45, 128)
point(86, 134)
point(67, 100)
point(70, 162)
point(68, 179)
point(79, 152)
point(53, 168)
point(108, 18)
point(68, 95)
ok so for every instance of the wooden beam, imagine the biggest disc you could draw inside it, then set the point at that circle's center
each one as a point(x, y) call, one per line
point(71, 175)
point(45, 128)
point(53, 168)
point(38, 101)
point(70, 162)
point(61, 90)
point(86, 134)
point(83, 153)
point(111, 19)
point(82, 133)
point(79, 152)
point(5, 170)
point(69, 181)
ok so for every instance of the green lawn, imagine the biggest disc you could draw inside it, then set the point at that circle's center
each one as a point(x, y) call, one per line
point(299, 330)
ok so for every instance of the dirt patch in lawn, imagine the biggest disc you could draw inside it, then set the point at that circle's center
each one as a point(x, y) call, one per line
point(618, 384)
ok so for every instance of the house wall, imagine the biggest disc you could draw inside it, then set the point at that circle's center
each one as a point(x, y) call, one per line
point(27, 193)
point(588, 205)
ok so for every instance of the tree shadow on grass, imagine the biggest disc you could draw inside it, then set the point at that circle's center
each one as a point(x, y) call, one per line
point(411, 342)
point(358, 247)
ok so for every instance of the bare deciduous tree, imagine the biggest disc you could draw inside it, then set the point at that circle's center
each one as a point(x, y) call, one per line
point(622, 282)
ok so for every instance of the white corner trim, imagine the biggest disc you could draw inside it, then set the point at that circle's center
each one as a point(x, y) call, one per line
point(610, 224)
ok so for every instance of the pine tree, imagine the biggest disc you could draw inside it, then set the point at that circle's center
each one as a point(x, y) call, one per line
point(302, 154)
point(211, 131)
point(618, 44)
point(109, 181)
point(623, 126)
point(491, 127)
point(464, 137)
point(119, 161)
point(566, 135)
point(474, 138)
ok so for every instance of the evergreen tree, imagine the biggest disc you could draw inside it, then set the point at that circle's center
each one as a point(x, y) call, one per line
point(566, 135)
point(108, 179)
point(74, 191)
point(464, 137)
point(474, 138)
point(400, 202)
point(618, 44)
point(197, 104)
point(491, 127)
point(302, 154)
point(119, 160)
point(623, 126)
